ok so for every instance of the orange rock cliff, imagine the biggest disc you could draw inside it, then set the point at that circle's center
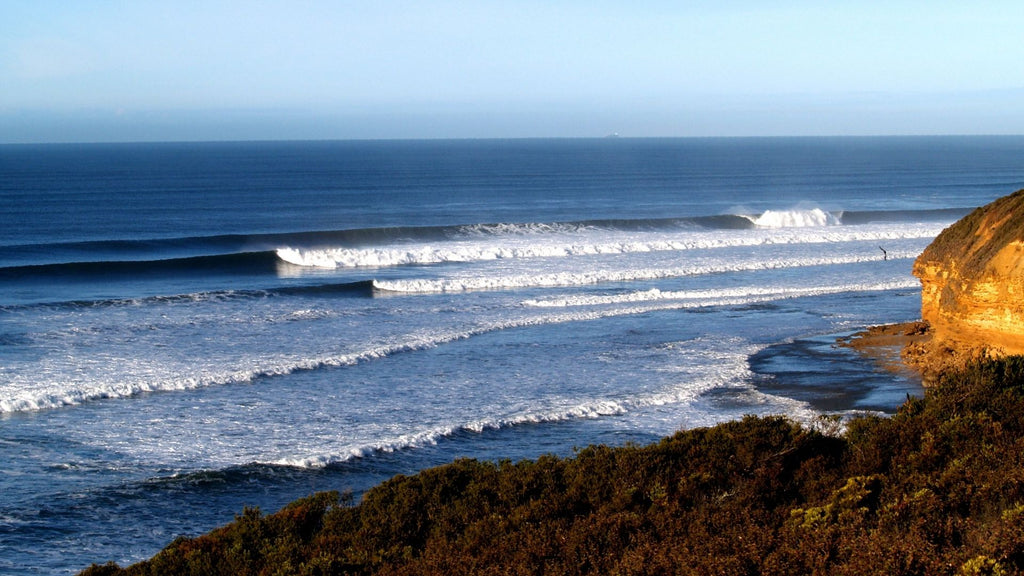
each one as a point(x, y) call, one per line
point(972, 279)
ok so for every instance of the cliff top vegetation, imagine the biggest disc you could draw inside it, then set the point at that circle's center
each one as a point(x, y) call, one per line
point(971, 243)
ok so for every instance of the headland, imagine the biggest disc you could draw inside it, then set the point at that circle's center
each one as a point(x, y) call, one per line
point(972, 296)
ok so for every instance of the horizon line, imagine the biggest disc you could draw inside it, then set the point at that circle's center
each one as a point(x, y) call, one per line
point(612, 136)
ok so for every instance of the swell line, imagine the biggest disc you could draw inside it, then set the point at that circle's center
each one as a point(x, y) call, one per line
point(237, 263)
point(359, 288)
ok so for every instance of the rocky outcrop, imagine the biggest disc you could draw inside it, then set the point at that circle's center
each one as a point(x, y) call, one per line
point(972, 280)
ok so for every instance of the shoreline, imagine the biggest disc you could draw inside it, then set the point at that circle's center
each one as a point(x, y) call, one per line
point(891, 345)
point(841, 372)
point(900, 348)
point(912, 347)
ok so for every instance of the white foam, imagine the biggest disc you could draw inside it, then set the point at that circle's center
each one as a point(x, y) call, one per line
point(310, 258)
point(815, 217)
point(779, 229)
point(139, 379)
point(589, 277)
point(388, 444)
point(710, 296)
point(570, 411)
point(521, 229)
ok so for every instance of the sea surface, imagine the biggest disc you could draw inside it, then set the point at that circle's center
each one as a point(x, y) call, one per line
point(187, 329)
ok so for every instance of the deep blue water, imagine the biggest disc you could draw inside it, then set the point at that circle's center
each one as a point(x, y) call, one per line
point(188, 329)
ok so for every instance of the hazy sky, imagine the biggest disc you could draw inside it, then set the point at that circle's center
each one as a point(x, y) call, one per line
point(214, 70)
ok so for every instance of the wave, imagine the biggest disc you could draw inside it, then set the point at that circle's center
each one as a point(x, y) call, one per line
point(655, 294)
point(603, 243)
point(600, 276)
point(796, 219)
point(150, 249)
point(816, 217)
point(228, 475)
point(358, 289)
point(948, 215)
point(235, 263)
point(40, 395)
point(588, 409)
point(134, 254)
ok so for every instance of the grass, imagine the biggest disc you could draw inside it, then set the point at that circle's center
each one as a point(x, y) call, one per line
point(972, 242)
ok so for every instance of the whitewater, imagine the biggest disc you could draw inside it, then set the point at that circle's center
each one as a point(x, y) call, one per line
point(514, 242)
point(189, 329)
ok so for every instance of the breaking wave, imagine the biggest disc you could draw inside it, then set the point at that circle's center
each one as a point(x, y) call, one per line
point(796, 219)
point(599, 276)
point(574, 411)
point(591, 244)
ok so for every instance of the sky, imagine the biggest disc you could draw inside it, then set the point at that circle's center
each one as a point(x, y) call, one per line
point(94, 71)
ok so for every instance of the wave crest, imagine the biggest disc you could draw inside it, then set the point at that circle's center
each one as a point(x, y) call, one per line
point(803, 228)
point(570, 279)
point(812, 218)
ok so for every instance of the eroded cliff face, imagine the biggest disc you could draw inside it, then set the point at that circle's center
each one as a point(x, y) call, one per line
point(972, 278)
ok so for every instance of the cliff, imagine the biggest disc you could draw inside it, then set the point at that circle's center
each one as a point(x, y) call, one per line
point(972, 279)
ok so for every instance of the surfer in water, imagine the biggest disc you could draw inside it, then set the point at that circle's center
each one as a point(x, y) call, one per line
point(885, 255)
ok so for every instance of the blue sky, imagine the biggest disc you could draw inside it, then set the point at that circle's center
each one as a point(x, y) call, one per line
point(225, 70)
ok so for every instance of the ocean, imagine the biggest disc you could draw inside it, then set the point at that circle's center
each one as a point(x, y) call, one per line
point(187, 329)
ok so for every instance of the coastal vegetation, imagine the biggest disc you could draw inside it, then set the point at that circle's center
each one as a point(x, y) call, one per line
point(937, 488)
